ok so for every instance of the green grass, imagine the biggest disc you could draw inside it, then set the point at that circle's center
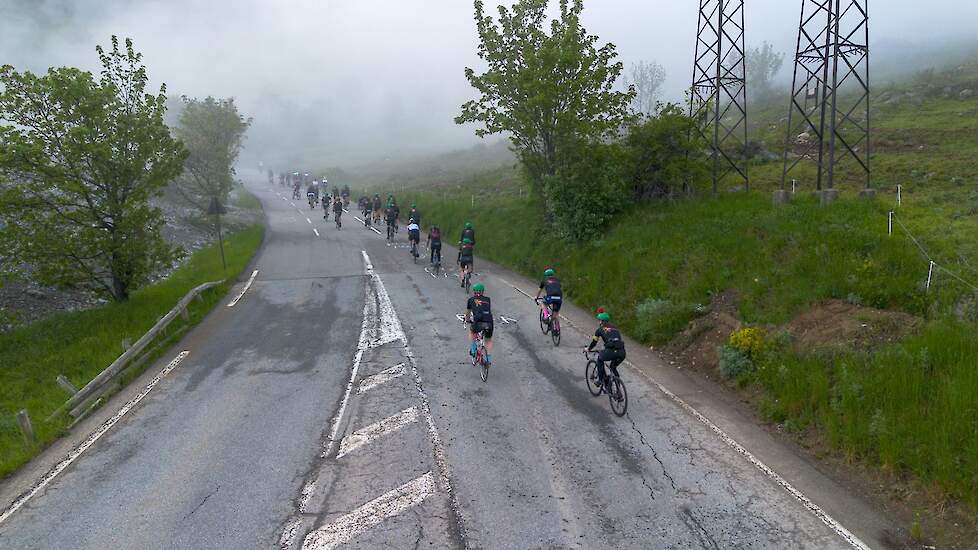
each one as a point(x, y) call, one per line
point(81, 344)
point(909, 408)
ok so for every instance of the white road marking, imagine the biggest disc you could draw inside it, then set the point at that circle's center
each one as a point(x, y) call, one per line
point(382, 377)
point(388, 425)
point(316, 231)
point(460, 317)
point(817, 511)
point(506, 320)
point(349, 526)
point(92, 438)
point(366, 262)
point(346, 398)
point(241, 294)
point(309, 221)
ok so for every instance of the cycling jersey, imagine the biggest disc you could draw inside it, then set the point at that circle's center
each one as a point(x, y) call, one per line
point(551, 285)
point(415, 215)
point(337, 207)
point(481, 309)
point(414, 232)
point(466, 252)
point(393, 212)
point(611, 337)
point(468, 233)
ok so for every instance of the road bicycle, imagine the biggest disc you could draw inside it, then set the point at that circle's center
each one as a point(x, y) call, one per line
point(480, 355)
point(548, 323)
point(391, 230)
point(339, 224)
point(614, 387)
point(414, 251)
point(467, 281)
point(367, 220)
point(435, 259)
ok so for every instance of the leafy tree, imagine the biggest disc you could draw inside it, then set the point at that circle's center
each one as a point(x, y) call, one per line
point(661, 152)
point(82, 158)
point(763, 64)
point(546, 89)
point(212, 130)
point(646, 78)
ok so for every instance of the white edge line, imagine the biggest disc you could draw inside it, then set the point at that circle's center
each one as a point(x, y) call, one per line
point(309, 221)
point(817, 511)
point(241, 294)
point(316, 231)
point(345, 528)
point(91, 439)
point(346, 398)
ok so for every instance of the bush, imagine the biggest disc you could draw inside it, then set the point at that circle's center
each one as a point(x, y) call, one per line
point(657, 321)
point(734, 363)
point(586, 193)
point(662, 153)
point(751, 341)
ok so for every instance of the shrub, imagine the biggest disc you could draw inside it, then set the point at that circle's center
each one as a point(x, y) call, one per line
point(586, 193)
point(751, 341)
point(734, 363)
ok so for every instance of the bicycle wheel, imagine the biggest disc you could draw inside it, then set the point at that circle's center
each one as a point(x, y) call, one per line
point(591, 376)
point(468, 283)
point(555, 332)
point(485, 368)
point(618, 397)
point(544, 326)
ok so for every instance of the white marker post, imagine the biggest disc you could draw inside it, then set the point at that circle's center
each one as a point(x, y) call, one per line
point(930, 275)
point(889, 223)
point(899, 195)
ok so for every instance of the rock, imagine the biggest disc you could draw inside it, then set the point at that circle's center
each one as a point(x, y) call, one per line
point(966, 94)
point(35, 293)
point(803, 138)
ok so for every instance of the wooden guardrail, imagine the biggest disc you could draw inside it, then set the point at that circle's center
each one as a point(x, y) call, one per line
point(80, 401)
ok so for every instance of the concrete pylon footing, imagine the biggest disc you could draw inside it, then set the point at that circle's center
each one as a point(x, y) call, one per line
point(828, 196)
point(782, 197)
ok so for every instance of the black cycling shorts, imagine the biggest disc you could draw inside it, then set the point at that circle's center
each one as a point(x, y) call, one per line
point(482, 326)
point(465, 261)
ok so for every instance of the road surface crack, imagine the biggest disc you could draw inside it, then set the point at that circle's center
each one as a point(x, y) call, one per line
point(655, 455)
point(201, 503)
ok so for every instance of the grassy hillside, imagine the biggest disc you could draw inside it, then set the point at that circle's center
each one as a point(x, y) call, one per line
point(907, 407)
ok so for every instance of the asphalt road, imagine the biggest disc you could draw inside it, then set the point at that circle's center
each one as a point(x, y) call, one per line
point(335, 405)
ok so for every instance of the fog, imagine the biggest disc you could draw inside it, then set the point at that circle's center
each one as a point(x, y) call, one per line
point(339, 82)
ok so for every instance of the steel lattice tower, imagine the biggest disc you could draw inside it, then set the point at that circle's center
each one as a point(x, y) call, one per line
point(718, 99)
point(830, 91)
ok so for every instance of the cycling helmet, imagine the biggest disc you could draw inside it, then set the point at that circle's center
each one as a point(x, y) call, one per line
point(413, 205)
point(478, 288)
point(604, 317)
point(466, 240)
point(468, 225)
point(549, 273)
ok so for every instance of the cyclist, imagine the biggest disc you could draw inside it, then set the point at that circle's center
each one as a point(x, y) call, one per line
point(368, 209)
point(469, 232)
point(295, 190)
point(378, 206)
point(554, 294)
point(312, 193)
point(466, 254)
point(434, 243)
point(325, 206)
point(614, 347)
point(414, 236)
point(414, 213)
point(479, 314)
point(337, 210)
point(393, 213)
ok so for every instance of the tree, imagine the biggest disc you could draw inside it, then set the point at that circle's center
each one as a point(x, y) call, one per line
point(545, 89)
point(213, 131)
point(763, 64)
point(82, 158)
point(646, 79)
point(663, 151)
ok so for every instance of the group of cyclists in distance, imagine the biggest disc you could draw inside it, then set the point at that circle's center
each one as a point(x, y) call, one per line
point(478, 316)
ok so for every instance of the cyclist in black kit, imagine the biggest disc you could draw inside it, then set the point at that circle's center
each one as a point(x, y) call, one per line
point(614, 347)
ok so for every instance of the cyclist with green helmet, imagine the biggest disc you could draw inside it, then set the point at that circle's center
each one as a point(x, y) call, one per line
point(554, 294)
point(466, 255)
point(467, 233)
point(614, 347)
point(479, 316)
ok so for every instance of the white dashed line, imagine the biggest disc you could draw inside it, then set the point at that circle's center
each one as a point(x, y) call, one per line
point(241, 294)
point(817, 511)
point(386, 426)
point(382, 377)
point(308, 221)
point(316, 231)
point(77, 451)
point(388, 505)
